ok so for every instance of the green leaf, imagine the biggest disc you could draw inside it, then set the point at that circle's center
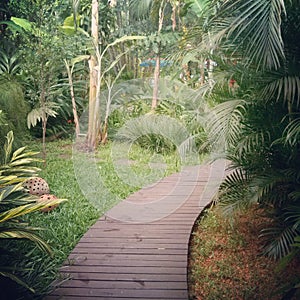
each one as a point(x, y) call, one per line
point(79, 59)
point(199, 7)
point(70, 30)
point(26, 209)
point(16, 279)
point(23, 23)
point(25, 233)
point(34, 116)
point(13, 26)
point(124, 39)
point(8, 145)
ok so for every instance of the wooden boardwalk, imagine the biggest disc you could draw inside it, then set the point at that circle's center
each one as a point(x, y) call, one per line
point(139, 249)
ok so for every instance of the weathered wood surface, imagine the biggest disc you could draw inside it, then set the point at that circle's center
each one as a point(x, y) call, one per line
point(139, 249)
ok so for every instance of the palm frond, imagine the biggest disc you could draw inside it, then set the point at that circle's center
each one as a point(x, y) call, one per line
point(154, 127)
point(257, 25)
point(188, 146)
point(292, 132)
point(235, 193)
point(297, 241)
point(41, 113)
point(9, 63)
point(224, 122)
point(279, 241)
point(253, 141)
point(283, 88)
point(292, 216)
point(8, 146)
point(272, 188)
point(140, 9)
point(19, 163)
point(8, 190)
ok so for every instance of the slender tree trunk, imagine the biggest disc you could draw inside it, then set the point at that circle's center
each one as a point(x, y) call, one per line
point(44, 113)
point(157, 59)
point(92, 100)
point(44, 126)
point(74, 108)
point(156, 82)
point(97, 116)
point(136, 64)
point(91, 138)
point(173, 17)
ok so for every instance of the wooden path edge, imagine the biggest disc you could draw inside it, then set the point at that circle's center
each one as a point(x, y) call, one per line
point(139, 249)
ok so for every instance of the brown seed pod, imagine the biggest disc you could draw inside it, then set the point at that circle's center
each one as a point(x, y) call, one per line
point(46, 198)
point(36, 186)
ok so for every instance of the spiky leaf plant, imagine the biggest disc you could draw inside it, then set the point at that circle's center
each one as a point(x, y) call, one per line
point(15, 168)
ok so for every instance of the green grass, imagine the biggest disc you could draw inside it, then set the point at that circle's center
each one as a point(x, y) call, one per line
point(65, 225)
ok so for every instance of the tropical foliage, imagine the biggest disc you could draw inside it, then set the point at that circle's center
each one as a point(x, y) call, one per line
point(15, 203)
point(242, 58)
point(257, 118)
point(14, 109)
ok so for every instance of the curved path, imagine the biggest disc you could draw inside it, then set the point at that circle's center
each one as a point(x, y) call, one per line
point(139, 249)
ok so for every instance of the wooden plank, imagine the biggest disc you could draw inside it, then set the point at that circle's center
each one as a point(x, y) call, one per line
point(135, 241)
point(115, 262)
point(124, 257)
point(147, 285)
point(137, 246)
point(116, 234)
point(151, 238)
point(146, 226)
point(124, 293)
point(129, 277)
point(125, 269)
point(153, 251)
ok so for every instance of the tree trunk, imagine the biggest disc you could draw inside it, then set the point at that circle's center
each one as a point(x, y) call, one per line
point(92, 101)
point(75, 115)
point(44, 126)
point(156, 82)
point(92, 126)
point(157, 59)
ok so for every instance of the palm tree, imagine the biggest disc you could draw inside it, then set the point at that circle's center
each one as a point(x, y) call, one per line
point(258, 120)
